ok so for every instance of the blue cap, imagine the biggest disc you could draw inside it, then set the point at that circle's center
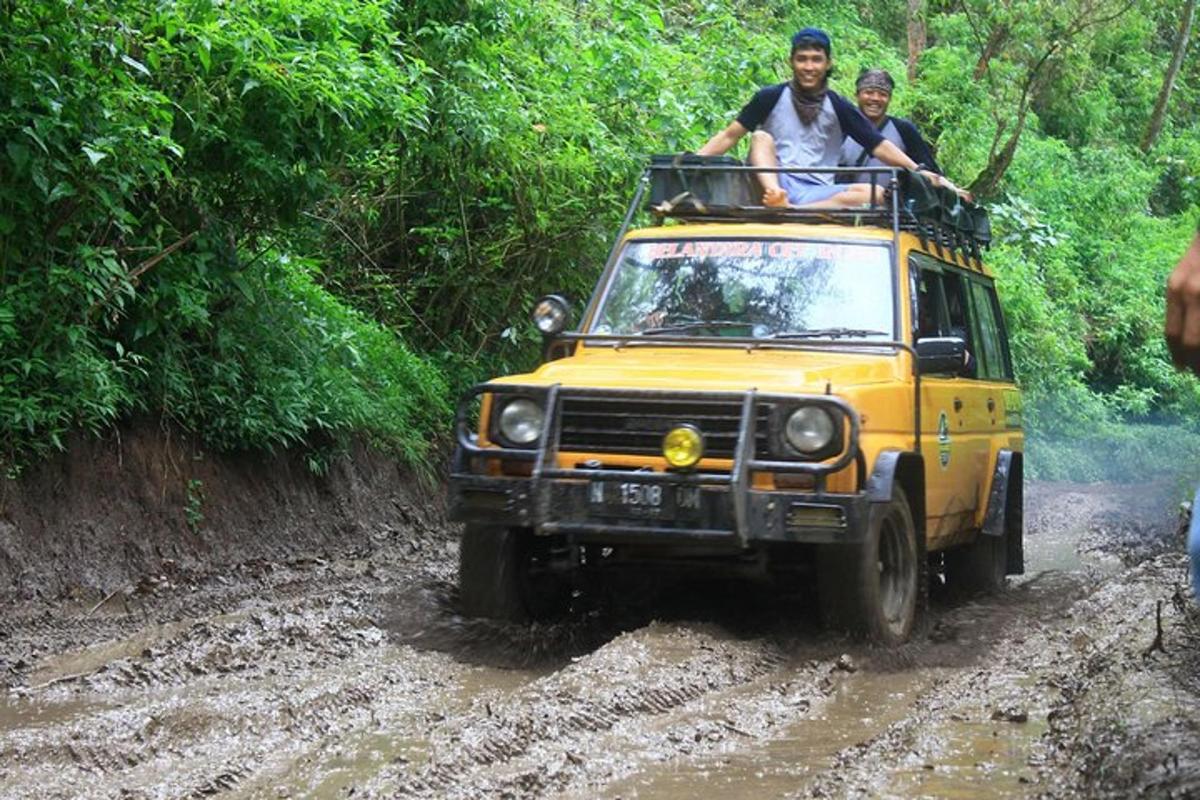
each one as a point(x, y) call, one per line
point(812, 36)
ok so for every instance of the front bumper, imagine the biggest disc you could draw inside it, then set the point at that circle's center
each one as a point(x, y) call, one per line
point(566, 506)
point(710, 509)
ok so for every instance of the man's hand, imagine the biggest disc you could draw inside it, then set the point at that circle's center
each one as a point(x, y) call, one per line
point(1183, 310)
point(933, 177)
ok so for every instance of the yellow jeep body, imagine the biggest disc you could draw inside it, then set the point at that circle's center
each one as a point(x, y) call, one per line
point(595, 484)
point(966, 423)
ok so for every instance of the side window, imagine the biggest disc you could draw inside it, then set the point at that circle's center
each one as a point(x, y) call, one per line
point(929, 313)
point(957, 318)
point(994, 361)
point(930, 306)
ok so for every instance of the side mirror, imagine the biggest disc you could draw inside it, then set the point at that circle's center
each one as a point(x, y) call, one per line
point(941, 354)
point(551, 314)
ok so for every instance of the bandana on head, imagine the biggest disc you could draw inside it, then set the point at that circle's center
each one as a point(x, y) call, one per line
point(878, 79)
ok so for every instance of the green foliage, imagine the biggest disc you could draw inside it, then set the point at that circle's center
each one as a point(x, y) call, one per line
point(332, 372)
point(153, 155)
point(1123, 453)
point(278, 221)
point(541, 117)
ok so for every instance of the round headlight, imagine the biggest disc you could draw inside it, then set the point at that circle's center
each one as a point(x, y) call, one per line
point(550, 314)
point(683, 446)
point(521, 421)
point(809, 429)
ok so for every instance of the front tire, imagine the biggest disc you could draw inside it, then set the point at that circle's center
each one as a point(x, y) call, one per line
point(872, 590)
point(506, 573)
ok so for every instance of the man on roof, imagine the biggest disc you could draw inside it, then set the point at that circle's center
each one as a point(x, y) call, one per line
point(873, 91)
point(802, 123)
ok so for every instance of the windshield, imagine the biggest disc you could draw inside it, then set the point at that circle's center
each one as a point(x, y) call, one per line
point(761, 288)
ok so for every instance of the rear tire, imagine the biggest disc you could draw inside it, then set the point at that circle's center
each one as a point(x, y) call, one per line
point(873, 590)
point(504, 573)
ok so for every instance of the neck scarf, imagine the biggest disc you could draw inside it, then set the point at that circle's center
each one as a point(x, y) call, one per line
point(808, 104)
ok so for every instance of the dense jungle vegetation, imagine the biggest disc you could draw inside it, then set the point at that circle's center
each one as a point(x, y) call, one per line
point(294, 221)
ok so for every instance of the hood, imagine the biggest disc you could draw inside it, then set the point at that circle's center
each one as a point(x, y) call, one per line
point(720, 369)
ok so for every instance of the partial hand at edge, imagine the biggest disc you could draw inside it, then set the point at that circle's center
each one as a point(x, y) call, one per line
point(1182, 327)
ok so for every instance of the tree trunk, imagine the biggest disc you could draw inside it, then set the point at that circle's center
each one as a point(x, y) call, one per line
point(1159, 115)
point(916, 36)
point(995, 43)
point(986, 183)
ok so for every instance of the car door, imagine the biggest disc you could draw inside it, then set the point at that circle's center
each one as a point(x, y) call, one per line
point(995, 379)
point(950, 435)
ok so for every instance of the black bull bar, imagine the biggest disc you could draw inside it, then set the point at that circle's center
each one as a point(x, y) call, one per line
point(711, 508)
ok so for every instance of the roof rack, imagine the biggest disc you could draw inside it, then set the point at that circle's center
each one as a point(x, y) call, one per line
point(722, 189)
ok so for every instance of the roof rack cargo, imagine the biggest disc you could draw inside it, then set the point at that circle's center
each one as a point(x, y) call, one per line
point(721, 189)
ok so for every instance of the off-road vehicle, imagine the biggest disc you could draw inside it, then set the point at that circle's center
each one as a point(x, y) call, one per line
point(823, 397)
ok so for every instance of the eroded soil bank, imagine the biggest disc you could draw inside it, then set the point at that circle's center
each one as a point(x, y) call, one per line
point(336, 666)
point(148, 500)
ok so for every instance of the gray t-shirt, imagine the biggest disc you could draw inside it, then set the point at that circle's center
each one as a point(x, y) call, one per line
point(815, 145)
point(899, 132)
point(852, 153)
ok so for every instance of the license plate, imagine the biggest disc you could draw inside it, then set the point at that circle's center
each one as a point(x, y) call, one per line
point(637, 499)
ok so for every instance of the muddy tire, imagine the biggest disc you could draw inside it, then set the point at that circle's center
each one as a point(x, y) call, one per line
point(978, 567)
point(873, 590)
point(502, 574)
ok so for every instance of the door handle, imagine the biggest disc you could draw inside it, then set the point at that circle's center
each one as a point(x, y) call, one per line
point(957, 404)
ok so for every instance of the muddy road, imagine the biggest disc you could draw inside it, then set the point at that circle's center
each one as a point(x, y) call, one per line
point(349, 674)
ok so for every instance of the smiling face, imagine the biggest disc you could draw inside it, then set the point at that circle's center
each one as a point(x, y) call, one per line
point(874, 103)
point(809, 67)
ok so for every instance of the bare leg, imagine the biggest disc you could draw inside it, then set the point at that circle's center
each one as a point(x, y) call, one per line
point(855, 195)
point(762, 154)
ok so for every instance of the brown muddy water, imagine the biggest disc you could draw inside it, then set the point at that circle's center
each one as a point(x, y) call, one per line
point(354, 677)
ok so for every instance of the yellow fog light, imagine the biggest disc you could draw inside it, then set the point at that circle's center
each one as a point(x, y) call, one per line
point(683, 446)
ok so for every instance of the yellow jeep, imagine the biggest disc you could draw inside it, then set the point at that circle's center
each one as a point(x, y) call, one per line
point(814, 396)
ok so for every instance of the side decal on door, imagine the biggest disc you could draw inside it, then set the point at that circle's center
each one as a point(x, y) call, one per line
point(1012, 409)
point(943, 440)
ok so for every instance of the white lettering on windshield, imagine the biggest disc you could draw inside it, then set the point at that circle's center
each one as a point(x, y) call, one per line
point(658, 251)
point(663, 251)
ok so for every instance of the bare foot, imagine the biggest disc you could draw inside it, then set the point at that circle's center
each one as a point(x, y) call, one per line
point(775, 198)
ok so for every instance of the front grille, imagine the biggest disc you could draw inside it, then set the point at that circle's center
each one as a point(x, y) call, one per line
point(637, 426)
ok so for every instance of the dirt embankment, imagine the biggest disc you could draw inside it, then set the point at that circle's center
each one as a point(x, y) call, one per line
point(148, 501)
point(332, 663)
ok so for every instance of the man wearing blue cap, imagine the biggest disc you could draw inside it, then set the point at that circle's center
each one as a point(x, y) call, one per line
point(802, 123)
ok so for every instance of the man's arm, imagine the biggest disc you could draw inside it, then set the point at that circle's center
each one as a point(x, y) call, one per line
point(752, 115)
point(893, 156)
point(1183, 309)
point(915, 145)
point(723, 141)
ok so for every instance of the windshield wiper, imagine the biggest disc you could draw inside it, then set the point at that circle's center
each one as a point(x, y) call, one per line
point(827, 333)
point(684, 327)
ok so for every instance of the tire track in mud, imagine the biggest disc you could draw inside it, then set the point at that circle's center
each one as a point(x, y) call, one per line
point(325, 677)
point(238, 688)
point(164, 741)
point(562, 718)
point(992, 723)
